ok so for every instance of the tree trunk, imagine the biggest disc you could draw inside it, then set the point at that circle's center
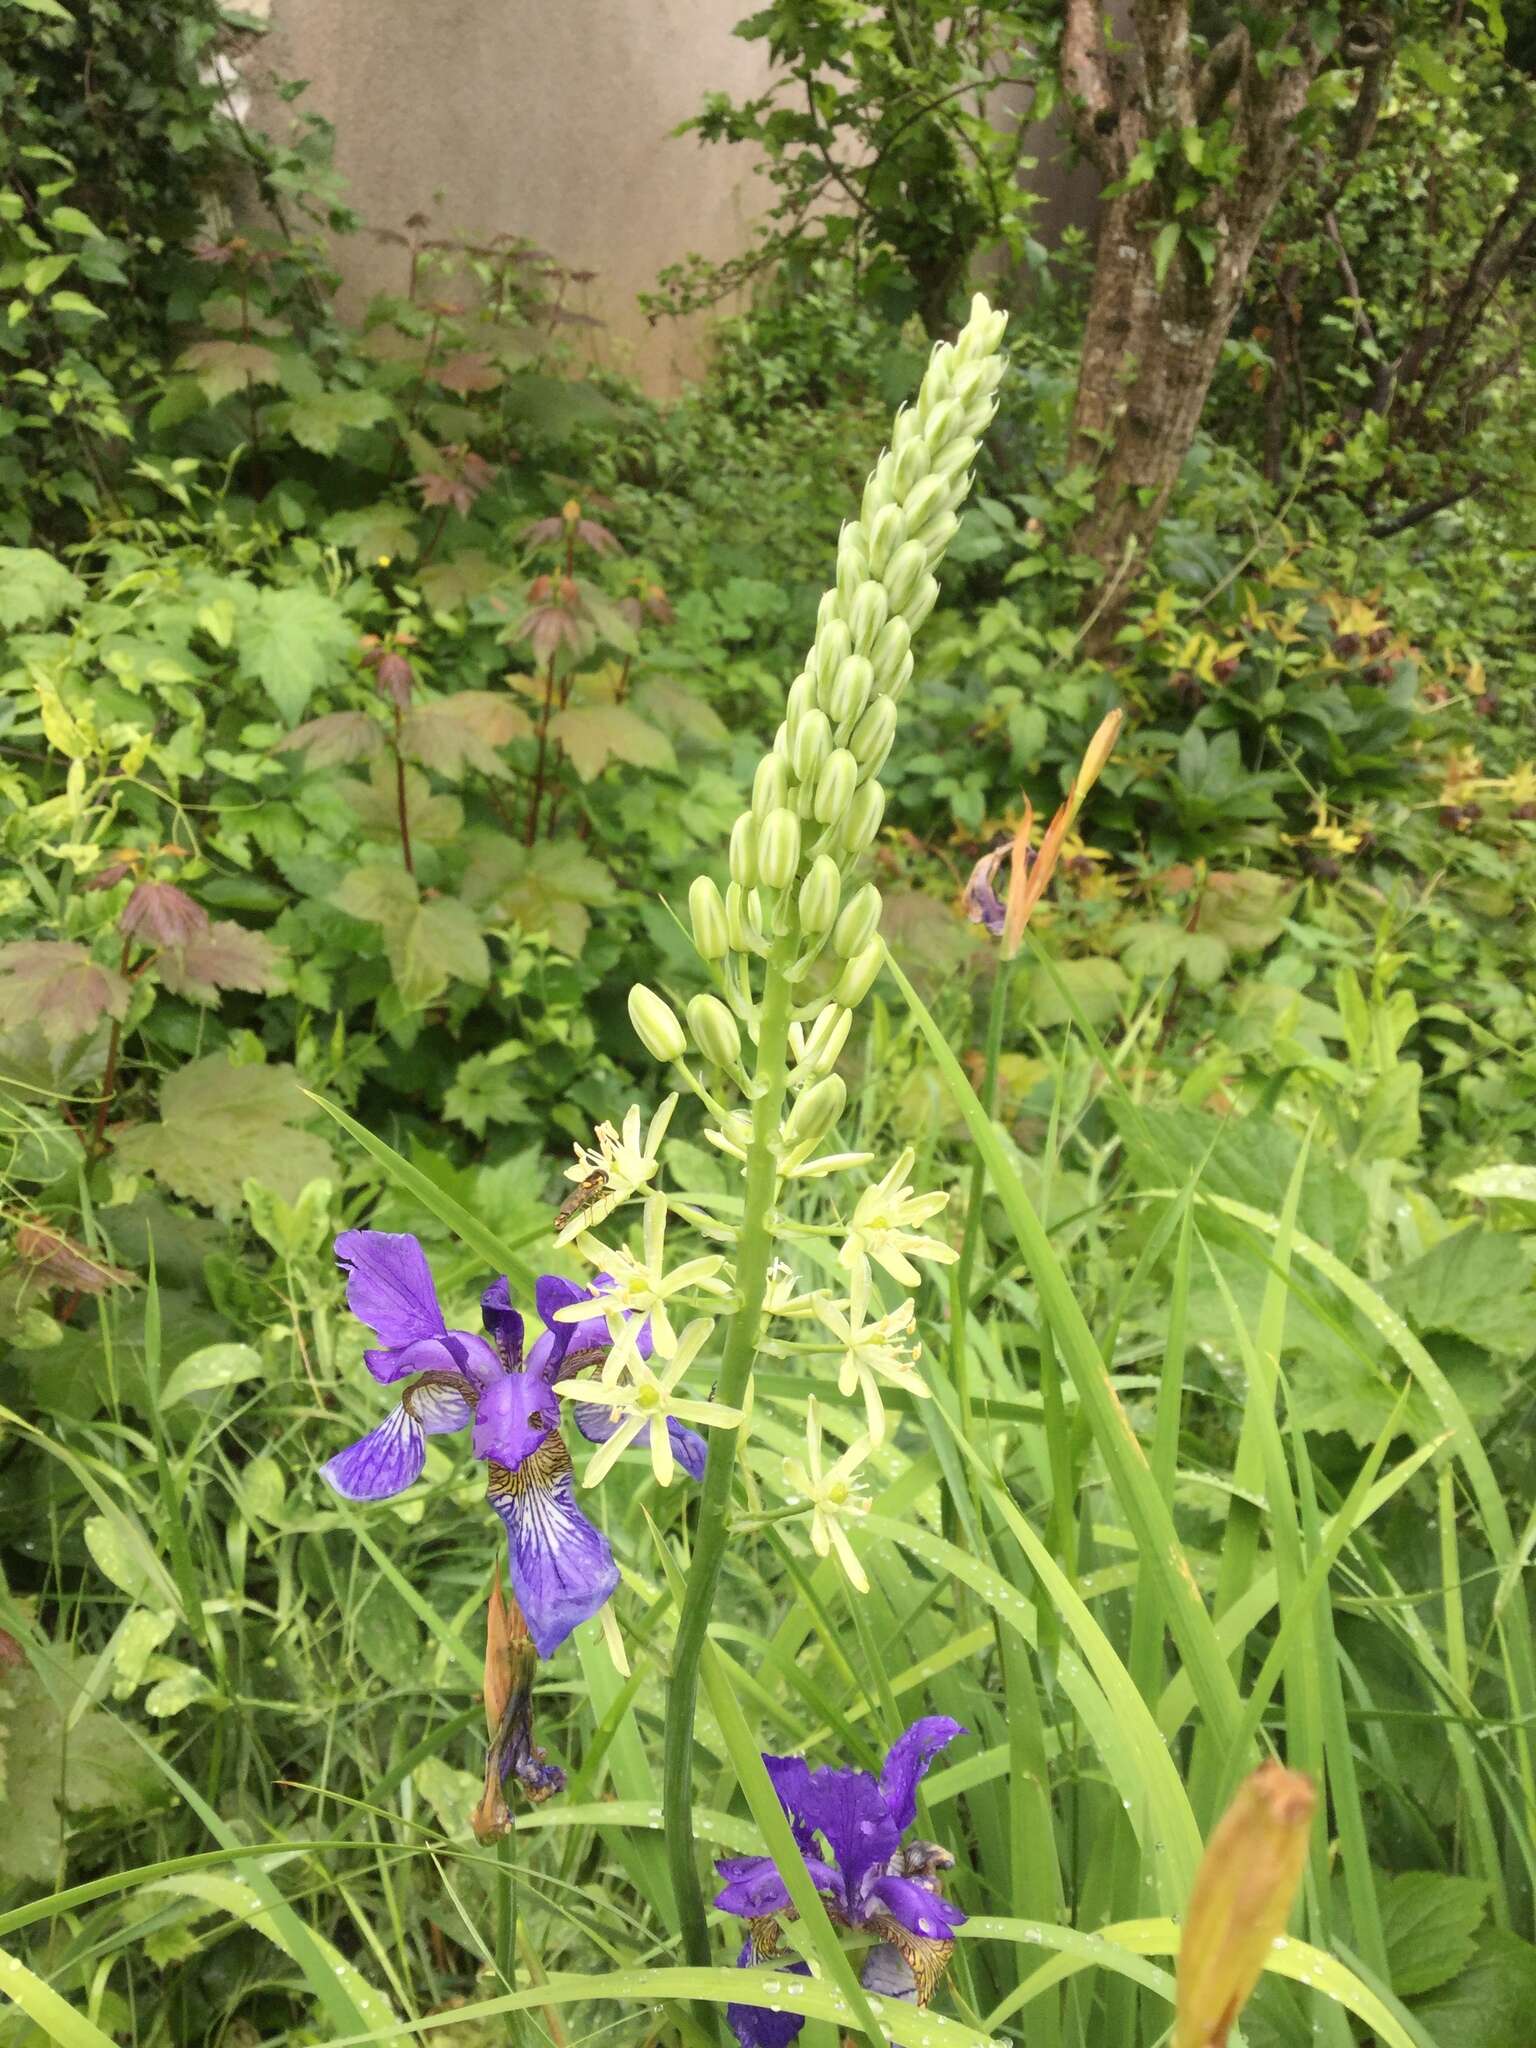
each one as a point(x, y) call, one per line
point(1149, 353)
point(1151, 347)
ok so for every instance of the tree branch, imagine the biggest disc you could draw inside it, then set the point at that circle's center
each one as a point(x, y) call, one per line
point(1222, 70)
point(1089, 89)
point(1417, 514)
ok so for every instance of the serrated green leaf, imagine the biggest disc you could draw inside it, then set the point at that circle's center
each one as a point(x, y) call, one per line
point(35, 588)
point(595, 734)
point(1429, 1922)
point(319, 423)
point(221, 1124)
point(546, 889)
point(291, 642)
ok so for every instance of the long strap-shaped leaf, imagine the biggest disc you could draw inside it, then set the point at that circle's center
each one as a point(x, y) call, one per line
point(1146, 1512)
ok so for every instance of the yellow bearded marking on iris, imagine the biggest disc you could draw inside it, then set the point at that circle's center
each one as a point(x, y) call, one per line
point(924, 1956)
point(540, 1473)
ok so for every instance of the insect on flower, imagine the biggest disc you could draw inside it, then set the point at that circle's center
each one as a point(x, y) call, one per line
point(582, 1198)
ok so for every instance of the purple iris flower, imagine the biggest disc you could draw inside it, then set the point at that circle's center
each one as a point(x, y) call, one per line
point(861, 1869)
point(983, 905)
point(561, 1565)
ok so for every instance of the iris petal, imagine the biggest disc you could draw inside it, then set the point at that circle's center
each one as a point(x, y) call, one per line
point(503, 1322)
point(389, 1285)
point(385, 1462)
point(847, 1809)
point(754, 1889)
point(758, 2026)
point(910, 1756)
point(915, 1907)
point(562, 1568)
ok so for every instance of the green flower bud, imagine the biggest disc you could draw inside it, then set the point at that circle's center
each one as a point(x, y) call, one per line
point(811, 745)
point(835, 785)
point(852, 563)
point(714, 1031)
point(858, 977)
point(955, 460)
point(886, 536)
point(817, 1110)
point(770, 785)
point(826, 1038)
point(706, 913)
point(890, 650)
point(781, 742)
point(937, 535)
point(826, 611)
point(850, 689)
point(862, 821)
point(858, 924)
point(921, 603)
point(927, 499)
point(741, 919)
point(655, 1026)
point(900, 680)
point(879, 490)
point(867, 614)
point(801, 698)
point(904, 572)
point(820, 894)
point(778, 849)
point(934, 389)
point(905, 428)
point(942, 424)
point(834, 644)
point(872, 738)
point(743, 853)
point(910, 467)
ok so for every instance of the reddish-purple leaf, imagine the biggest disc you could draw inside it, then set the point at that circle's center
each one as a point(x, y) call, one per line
point(57, 984)
point(394, 673)
point(162, 915)
point(329, 741)
point(224, 956)
point(108, 877)
point(56, 1260)
point(471, 371)
point(463, 731)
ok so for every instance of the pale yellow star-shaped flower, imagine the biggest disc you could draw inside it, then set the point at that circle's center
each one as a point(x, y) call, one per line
point(643, 1287)
point(625, 1162)
point(882, 1227)
point(882, 1350)
point(834, 1496)
point(649, 1401)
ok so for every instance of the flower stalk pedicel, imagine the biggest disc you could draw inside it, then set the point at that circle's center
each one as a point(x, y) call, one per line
point(770, 1037)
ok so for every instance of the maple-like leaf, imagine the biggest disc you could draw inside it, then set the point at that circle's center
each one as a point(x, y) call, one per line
point(432, 820)
point(318, 423)
point(464, 730)
point(375, 530)
point(595, 734)
point(336, 737)
point(472, 370)
point(222, 367)
point(429, 941)
point(222, 1124)
point(292, 641)
point(449, 585)
point(547, 889)
point(57, 984)
point(680, 711)
point(162, 915)
point(226, 955)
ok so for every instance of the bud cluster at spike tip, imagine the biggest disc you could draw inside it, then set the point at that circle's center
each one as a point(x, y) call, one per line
point(817, 802)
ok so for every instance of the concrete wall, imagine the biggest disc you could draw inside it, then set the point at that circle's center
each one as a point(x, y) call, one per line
point(551, 119)
point(544, 118)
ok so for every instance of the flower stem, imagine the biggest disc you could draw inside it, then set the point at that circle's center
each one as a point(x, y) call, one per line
point(754, 1249)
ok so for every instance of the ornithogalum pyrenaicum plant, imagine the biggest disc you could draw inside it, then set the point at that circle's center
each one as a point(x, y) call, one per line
point(792, 944)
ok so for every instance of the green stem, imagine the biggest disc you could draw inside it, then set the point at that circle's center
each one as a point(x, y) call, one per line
point(997, 1017)
point(754, 1249)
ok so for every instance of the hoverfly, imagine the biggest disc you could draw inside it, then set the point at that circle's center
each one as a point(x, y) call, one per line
point(586, 1195)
